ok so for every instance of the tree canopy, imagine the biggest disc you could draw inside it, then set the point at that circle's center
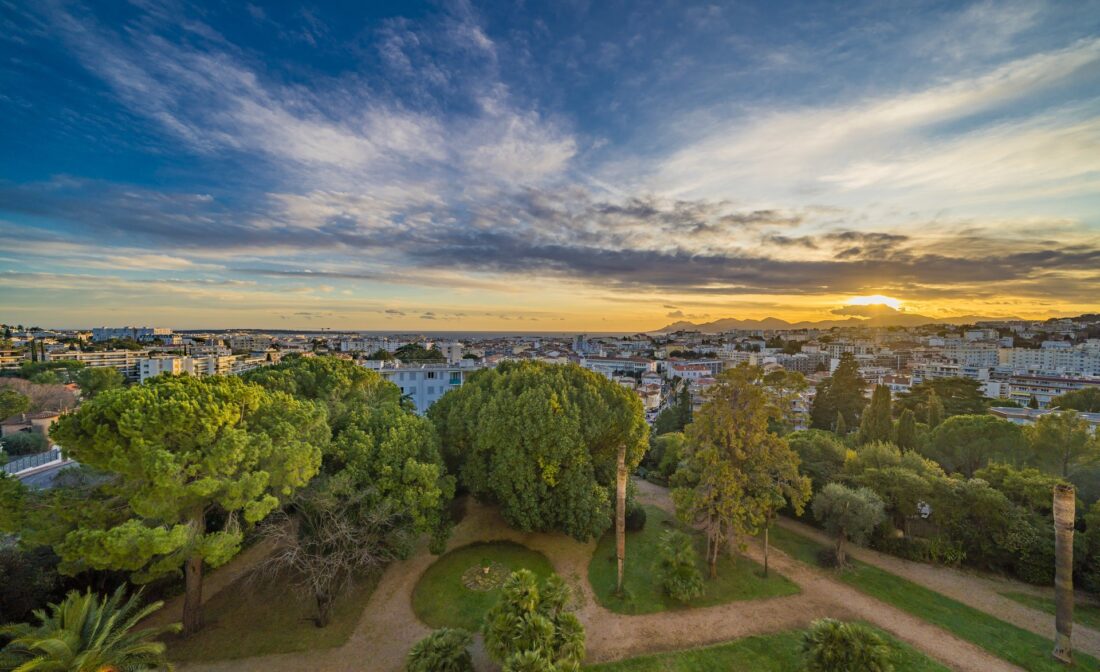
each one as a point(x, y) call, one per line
point(966, 443)
point(1063, 441)
point(840, 394)
point(541, 441)
point(848, 514)
point(93, 380)
point(12, 403)
point(877, 423)
point(1086, 400)
point(959, 396)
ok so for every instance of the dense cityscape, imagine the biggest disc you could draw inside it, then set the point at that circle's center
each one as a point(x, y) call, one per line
point(550, 336)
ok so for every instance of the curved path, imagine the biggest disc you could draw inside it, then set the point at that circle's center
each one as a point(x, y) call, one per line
point(388, 626)
point(980, 591)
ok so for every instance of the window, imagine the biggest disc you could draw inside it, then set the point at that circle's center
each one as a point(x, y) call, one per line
point(431, 389)
point(431, 374)
point(456, 378)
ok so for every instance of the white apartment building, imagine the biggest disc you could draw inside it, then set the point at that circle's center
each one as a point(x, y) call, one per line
point(424, 383)
point(973, 354)
point(126, 361)
point(609, 366)
point(1044, 388)
point(209, 365)
point(1080, 360)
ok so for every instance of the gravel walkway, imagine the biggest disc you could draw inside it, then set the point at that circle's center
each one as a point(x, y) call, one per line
point(389, 627)
point(981, 591)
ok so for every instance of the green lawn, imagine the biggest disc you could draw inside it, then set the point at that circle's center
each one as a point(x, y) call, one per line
point(440, 598)
point(1016, 645)
point(1087, 615)
point(255, 618)
point(780, 652)
point(740, 579)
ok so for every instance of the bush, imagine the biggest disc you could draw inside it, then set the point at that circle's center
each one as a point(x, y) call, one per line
point(635, 519)
point(445, 650)
point(826, 557)
point(832, 646)
point(678, 567)
point(533, 624)
point(28, 580)
point(25, 443)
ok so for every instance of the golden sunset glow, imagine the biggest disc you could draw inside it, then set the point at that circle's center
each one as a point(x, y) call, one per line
point(875, 300)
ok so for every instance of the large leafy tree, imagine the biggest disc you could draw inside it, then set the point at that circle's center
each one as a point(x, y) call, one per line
point(959, 396)
point(1086, 400)
point(180, 451)
point(877, 423)
point(736, 471)
point(542, 441)
point(12, 402)
point(905, 431)
point(532, 626)
point(821, 455)
point(839, 395)
point(86, 633)
point(850, 515)
point(1060, 442)
point(94, 380)
point(966, 443)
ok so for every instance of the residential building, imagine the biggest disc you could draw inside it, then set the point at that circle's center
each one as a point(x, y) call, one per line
point(609, 366)
point(134, 333)
point(1022, 388)
point(423, 384)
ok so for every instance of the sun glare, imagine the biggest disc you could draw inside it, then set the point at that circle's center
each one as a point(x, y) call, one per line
point(875, 300)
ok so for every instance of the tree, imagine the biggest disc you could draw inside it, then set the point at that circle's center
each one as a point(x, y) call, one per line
point(905, 432)
point(966, 443)
point(84, 633)
point(532, 626)
point(414, 352)
point(959, 396)
point(1033, 402)
point(821, 455)
point(381, 355)
point(95, 380)
point(1086, 400)
point(1028, 487)
point(676, 416)
point(737, 472)
point(841, 427)
point(848, 515)
point(678, 567)
point(832, 646)
point(934, 410)
point(542, 442)
point(1062, 441)
point(877, 423)
point(13, 403)
point(177, 449)
point(24, 443)
point(445, 650)
point(1064, 515)
point(841, 393)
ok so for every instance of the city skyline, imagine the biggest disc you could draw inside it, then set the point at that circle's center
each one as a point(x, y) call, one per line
point(554, 168)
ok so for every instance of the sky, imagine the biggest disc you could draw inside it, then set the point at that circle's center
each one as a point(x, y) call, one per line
point(554, 166)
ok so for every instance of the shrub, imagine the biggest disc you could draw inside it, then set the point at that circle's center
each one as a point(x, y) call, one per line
point(832, 646)
point(678, 567)
point(532, 626)
point(25, 443)
point(635, 519)
point(445, 650)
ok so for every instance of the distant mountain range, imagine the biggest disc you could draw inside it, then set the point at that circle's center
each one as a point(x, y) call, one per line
point(892, 319)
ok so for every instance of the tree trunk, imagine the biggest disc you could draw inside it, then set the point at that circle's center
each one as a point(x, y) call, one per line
point(620, 517)
point(841, 556)
point(1064, 513)
point(712, 558)
point(766, 528)
point(324, 609)
point(192, 596)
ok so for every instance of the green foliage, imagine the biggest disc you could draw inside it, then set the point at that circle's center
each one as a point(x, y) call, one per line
point(736, 472)
point(445, 650)
point(635, 518)
point(905, 431)
point(28, 579)
point(86, 632)
point(821, 455)
point(541, 441)
point(1027, 487)
point(1089, 557)
point(678, 567)
point(93, 381)
point(958, 396)
point(532, 627)
point(877, 423)
point(39, 372)
point(847, 514)
point(966, 443)
point(382, 355)
point(12, 403)
point(665, 453)
point(841, 393)
point(341, 385)
point(676, 416)
point(934, 410)
point(414, 352)
point(1086, 400)
point(24, 443)
point(901, 479)
point(833, 646)
point(175, 449)
point(1061, 442)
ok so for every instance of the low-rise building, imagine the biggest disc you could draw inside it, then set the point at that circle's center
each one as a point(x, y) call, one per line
point(424, 384)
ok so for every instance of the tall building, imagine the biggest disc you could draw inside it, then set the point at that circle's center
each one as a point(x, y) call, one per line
point(424, 384)
point(135, 333)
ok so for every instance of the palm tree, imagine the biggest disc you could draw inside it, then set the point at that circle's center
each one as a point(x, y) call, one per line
point(87, 633)
point(833, 646)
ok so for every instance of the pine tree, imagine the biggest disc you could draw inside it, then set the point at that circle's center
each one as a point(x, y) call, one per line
point(1033, 402)
point(840, 427)
point(877, 424)
point(905, 434)
point(935, 410)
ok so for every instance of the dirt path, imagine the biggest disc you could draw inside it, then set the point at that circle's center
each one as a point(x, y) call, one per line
point(389, 627)
point(980, 591)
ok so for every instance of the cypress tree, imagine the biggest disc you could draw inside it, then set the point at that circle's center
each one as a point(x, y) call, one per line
point(877, 423)
point(841, 427)
point(935, 409)
point(905, 434)
point(1033, 402)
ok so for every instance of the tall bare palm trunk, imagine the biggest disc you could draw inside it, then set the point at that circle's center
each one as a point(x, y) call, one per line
point(620, 517)
point(1064, 513)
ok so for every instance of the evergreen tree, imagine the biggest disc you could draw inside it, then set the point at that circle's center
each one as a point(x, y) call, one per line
point(840, 427)
point(840, 393)
point(877, 422)
point(1033, 402)
point(935, 410)
point(905, 434)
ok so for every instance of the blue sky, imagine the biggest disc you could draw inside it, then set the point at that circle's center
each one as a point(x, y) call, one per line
point(554, 166)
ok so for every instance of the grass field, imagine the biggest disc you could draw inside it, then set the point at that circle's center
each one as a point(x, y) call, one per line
point(253, 619)
point(740, 579)
point(780, 652)
point(1087, 615)
point(1004, 640)
point(440, 598)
